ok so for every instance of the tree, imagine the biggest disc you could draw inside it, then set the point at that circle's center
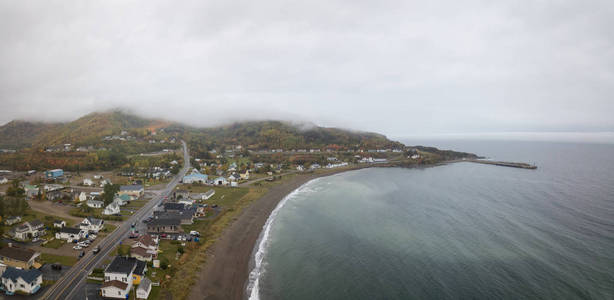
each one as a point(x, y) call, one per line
point(15, 190)
point(109, 193)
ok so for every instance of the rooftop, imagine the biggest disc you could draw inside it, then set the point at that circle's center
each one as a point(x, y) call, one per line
point(123, 265)
point(27, 275)
point(20, 254)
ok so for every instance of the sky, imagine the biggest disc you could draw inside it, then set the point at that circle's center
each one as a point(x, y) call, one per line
point(402, 68)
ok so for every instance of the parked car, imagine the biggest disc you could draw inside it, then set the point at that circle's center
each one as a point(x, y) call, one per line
point(82, 254)
point(77, 247)
point(194, 233)
point(96, 250)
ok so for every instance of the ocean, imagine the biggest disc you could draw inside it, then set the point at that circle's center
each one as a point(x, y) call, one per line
point(458, 231)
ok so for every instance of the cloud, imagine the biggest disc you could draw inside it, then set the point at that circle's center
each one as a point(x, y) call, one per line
point(397, 67)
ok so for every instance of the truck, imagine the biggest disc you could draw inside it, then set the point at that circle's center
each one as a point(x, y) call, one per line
point(96, 250)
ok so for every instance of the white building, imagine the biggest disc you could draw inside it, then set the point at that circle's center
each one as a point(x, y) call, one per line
point(88, 182)
point(3, 180)
point(118, 278)
point(95, 203)
point(90, 224)
point(82, 196)
point(69, 234)
point(111, 209)
point(142, 292)
point(19, 280)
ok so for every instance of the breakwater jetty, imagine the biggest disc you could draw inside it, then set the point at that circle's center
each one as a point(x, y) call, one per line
point(503, 163)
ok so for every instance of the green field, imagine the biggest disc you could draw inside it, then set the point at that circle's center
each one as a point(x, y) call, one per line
point(64, 260)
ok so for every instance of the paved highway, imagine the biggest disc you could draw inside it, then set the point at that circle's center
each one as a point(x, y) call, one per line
point(72, 284)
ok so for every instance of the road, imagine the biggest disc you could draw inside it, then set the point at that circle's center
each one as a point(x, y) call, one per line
point(72, 284)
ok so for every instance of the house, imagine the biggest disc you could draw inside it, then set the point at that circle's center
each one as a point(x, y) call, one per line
point(300, 168)
point(142, 292)
point(181, 194)
point(3, 180)
point(195, 177)
point(164, 226)
point(135, 190)
point(234, 177)
point(12, 220)
point(124, 199)
point(232, 167)
point(118, 278)
point(141, 254)
point(111, 209)
point(70, 234)
point(88, 182)
point(59, 223)
point(82, 196)
point(185, 216)
point(139, 272)
point(104, 182)
point(53, 174)
point(95, 203)
point(208, 194)
point(147, 242)
point(91, 224)
point(18, 257)
point(31, 191)
point(245, 176)
point(28, 230)
point(23, 281)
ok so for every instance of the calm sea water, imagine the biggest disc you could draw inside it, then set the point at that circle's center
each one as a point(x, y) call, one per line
point(461, 231)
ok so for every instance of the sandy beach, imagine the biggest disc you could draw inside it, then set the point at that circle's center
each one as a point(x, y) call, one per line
point(225, 274)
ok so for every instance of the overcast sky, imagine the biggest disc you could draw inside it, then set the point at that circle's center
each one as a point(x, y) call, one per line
point(401, 68)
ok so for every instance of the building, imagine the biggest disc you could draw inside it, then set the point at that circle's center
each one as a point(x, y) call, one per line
point(185, 217)
point(31, 191)
point(82, 196)
point(195, 177)
point(124, 199)
point(18, 257)
point(164, 226)
point(3, 180)
point(181, 194)
point(139, 272)
point(135, 190)
point(70, 234)
point(142, 292)
point(111, 209)
point(23, 281)
point(171, 206)
point(234, 177)
point(147, 242)
point(220, 181)
point(12, 220)
point(118, 278)
point(88, 182)
point(245, 176)
point(28, 230)
point(59, 223)
point(95, 203)
point(53, 174)
point(91, 224)
point(141, 254)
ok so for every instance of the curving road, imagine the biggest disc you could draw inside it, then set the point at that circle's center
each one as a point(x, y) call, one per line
point(72, 284)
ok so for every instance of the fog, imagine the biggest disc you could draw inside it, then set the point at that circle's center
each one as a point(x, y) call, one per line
point(402, 68)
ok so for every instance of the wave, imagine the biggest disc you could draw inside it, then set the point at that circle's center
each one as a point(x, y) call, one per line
point(253, 289)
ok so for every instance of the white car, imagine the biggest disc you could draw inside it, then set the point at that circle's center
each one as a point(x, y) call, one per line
point(77, 247)
point(92, 237)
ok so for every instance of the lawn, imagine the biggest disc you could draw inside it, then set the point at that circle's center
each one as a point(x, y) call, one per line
point(55, 244)
point(63, 260)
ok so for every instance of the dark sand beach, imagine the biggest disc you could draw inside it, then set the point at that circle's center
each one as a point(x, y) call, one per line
point(226, 271)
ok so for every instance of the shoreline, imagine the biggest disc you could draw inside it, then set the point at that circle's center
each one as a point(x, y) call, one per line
point(225, 274)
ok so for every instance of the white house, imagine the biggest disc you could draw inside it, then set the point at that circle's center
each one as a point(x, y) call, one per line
point(69, 234)
point(220, 181)
point(19, 280)
point(3, 180)
point(27, 230)
point(90, 224)
point(82, 196)
point(95, 203)
point(111, 209)
point(59, 223)
point(118, 277)
point(142, 292)
point(88, 182)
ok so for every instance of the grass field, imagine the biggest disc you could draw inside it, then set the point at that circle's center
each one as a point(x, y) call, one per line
point(55, 244)
point(64, 260)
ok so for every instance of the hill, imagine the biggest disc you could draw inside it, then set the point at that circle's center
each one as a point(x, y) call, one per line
point(87, 130)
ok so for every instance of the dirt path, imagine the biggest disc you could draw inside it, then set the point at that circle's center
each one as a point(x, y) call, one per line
point(48, 207)
point(225, 274)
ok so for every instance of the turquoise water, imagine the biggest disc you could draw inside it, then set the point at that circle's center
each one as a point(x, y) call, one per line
point(461, 231)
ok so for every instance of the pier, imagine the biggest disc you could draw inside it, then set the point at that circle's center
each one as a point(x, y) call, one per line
point(503, 163)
